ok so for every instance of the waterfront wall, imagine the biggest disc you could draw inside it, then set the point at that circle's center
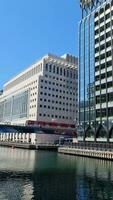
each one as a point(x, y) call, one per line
point(101, 154)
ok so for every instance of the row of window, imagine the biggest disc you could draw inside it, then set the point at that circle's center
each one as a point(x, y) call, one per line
point(52, 107)
point(103, 76)
point(103, 56)
point(104, 97)
point(33, 106)
point(103, 46)
point(53, 83)
point(105, 17)
point(34, 93)
point(107, 6)
point(55, 89)
point(103, 66)
point(103, 37)
point(33, 88)
point(60, 91)
point(32, 115)
point(103, 28)
point(60, 97)
point(32, 100)
point(57, 78)
point(104, 85)
point(104, 112)
point(54, 116)
point(60, 71)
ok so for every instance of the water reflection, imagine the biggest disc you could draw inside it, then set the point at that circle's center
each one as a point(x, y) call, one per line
point(26, 175)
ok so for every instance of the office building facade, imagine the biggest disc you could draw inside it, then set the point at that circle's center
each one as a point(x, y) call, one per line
point(45, 91)
point(96, 70)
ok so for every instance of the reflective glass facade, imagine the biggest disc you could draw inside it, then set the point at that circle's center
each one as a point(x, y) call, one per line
point(86, 73)
point(96, 70)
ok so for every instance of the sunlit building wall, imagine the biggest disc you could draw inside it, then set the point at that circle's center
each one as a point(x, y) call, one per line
point(45, 91)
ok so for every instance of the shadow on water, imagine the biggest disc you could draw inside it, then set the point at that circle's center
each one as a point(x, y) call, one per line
point(26, 175)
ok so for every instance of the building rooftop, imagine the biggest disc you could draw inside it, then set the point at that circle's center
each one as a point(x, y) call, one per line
point(66, 59)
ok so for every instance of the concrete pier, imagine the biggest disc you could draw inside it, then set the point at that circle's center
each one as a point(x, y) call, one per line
point(100, 154)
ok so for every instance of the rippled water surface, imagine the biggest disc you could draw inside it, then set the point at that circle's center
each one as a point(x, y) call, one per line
point(39, 175)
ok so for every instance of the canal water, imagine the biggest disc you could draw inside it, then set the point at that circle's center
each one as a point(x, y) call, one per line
point(40, 175)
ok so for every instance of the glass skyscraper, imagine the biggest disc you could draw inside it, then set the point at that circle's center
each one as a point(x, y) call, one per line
point(96, 70)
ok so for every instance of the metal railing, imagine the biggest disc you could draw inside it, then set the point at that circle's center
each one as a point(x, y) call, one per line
point(91, 146)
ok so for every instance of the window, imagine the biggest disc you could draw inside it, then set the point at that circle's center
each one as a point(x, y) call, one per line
point(67, 73)
point(57, 70)
point(96, 14)
point(101, 19)
point(101, 10)
point(107, 16)
point(46, 66)
point(64, 72)
point(50, 68)
point(54, 69)
point(70, 74)
point(60, 71)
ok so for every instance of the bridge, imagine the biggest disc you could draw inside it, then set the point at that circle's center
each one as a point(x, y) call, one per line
point(30, 136)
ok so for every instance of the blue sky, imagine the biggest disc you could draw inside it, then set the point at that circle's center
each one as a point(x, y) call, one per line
point(31, 28)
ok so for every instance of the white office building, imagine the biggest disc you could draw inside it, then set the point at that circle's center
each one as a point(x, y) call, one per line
point(44, 91)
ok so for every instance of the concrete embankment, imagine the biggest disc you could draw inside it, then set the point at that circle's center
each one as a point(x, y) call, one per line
point(47, 147)
point(18, 145)
point(100, 154)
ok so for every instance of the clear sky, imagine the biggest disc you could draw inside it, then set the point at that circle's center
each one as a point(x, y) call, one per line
point(30, 29)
